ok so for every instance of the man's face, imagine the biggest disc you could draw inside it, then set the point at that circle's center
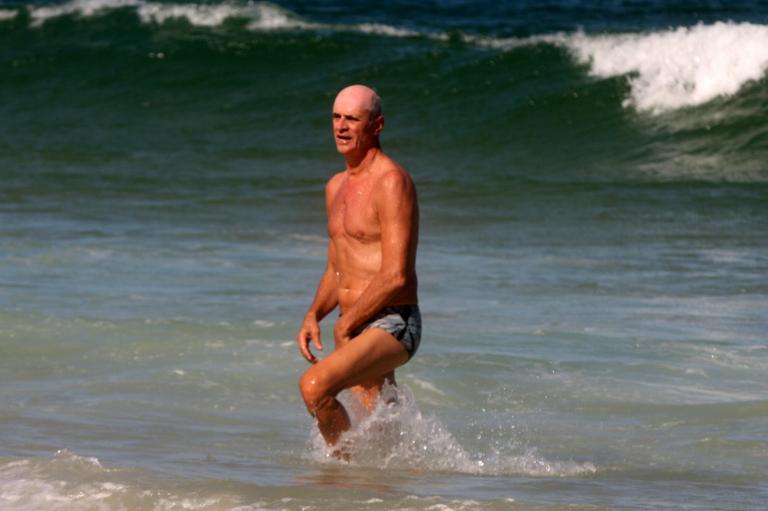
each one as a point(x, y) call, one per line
point(353, 130)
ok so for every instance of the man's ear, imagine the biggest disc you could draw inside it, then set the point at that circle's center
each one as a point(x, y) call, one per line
point(378, 125)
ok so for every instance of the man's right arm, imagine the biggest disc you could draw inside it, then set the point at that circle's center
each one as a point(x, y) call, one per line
point(327, 294)
point(326, 299)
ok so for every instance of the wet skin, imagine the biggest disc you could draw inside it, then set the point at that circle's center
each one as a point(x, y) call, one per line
point(373, 231)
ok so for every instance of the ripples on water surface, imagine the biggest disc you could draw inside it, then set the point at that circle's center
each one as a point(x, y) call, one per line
point(592, 265)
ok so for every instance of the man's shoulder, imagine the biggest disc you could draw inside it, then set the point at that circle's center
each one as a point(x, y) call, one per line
point(393, 186)
point(334, 182)
point(392, 175)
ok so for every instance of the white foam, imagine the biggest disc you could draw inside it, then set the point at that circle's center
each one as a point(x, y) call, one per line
point(8, 14)
point(85, 8)
point(666, 70)
point(262, 16)
point(398, 435)
point(427, 386)
point(67, 457)
point(271, 17)
point(677, 68)
point(501, 43)
point(68, 482)
point(25, 485)
point(200, 15)
point(387, 30)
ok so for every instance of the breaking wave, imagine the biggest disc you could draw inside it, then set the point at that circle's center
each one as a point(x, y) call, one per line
point(680, 67)
point(261, 16)
point(7, 14)
point(666, 70)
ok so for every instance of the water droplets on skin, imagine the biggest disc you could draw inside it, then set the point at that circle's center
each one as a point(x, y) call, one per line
point(397, 435)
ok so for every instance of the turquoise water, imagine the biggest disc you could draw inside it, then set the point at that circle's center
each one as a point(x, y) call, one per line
point(592, 262)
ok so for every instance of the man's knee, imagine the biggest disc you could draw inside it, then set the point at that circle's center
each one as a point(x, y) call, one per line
point(315, 389)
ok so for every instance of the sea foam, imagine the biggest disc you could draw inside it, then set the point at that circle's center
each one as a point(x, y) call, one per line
point(85, 8)
point(396, 435)
point(666, 70)
point(261, 16)
point(26, 484)
point(683, 67)
point(8, 14)
point(200, 15)
point(68, 482)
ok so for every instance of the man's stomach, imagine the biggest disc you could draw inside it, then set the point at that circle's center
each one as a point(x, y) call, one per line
point(350, 292)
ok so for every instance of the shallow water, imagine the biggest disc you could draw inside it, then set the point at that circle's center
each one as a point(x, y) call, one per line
point(592, 260)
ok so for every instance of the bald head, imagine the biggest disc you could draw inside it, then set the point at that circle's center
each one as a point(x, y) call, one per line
point(360, 97)
point(357, 120)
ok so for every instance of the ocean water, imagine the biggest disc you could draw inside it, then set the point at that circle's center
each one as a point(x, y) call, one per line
point(593, 259)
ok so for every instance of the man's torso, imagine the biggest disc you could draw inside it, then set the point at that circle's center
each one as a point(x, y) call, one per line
point(355, 231)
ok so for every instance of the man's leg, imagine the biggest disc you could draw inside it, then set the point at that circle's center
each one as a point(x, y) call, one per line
point(367, 392)
point(367, 359)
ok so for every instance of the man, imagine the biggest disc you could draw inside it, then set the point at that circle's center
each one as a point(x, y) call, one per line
point(370, 273)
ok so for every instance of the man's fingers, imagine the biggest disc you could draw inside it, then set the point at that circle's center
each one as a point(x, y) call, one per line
point(307, 354)
point(310, 357)
point(318, 341)
point(303, 340)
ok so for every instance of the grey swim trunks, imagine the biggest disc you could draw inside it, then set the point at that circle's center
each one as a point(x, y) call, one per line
point(402, 321)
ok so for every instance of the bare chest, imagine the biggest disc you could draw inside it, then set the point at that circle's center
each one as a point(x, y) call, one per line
point(353, 215)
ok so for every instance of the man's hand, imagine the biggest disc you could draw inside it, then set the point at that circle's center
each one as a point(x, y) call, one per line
point(310, 331)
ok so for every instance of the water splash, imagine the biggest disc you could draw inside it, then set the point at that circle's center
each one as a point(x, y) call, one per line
point(398, 435)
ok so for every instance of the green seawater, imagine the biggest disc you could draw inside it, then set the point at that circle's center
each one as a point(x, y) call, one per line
point(592, 270)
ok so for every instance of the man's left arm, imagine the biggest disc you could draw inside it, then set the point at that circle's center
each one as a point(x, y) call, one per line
point(395, 201)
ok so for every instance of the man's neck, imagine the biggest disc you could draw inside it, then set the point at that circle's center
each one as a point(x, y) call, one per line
point(359, 163)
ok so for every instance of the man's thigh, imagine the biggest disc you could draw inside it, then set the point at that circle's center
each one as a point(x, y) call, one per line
point(365, 360)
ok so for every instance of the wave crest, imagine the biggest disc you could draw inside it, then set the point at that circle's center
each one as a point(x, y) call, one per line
point(666, 70)
point(8, 14)
point(680, 67)
point(85, 8)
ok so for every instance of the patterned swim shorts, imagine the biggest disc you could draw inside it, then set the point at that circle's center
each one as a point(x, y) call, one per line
point(402, 321)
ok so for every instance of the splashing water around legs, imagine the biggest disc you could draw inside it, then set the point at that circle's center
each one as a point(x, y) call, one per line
point(396, 435)
point(332, 420)
point(332, 416)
